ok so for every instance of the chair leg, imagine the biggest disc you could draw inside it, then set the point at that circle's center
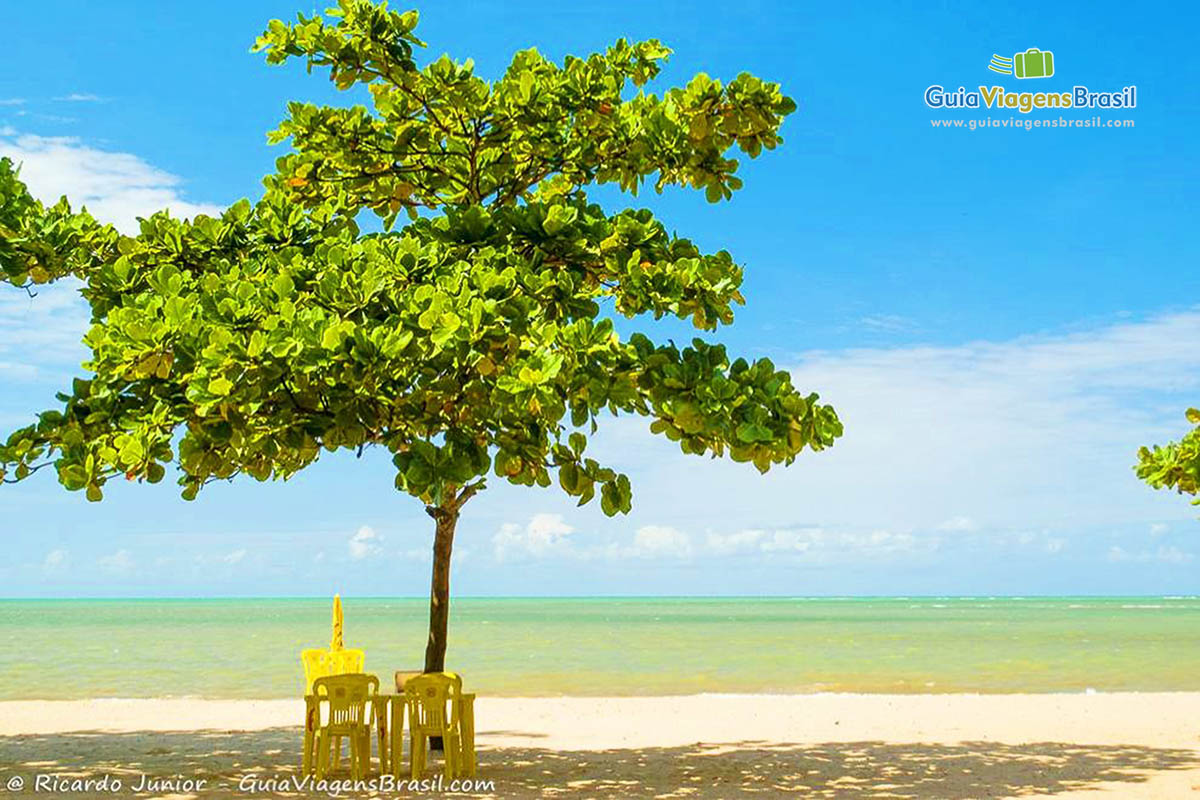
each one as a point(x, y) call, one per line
point(468, 759)
point(450, 755)
point(381, 735)
point(366, 752)
point(467, 744)
point(396, 746)
point(416, 744)
point(322, 754)
point(337, 751)
point(306, 760)
point(355, 756)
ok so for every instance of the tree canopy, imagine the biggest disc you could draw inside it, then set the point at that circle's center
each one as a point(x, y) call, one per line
point(475, 339)
point(1175, 465)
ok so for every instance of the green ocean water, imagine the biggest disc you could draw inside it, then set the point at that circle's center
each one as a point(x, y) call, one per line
point(250, 648)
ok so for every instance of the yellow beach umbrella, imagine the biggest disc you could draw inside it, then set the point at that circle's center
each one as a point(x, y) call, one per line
point(336, 642)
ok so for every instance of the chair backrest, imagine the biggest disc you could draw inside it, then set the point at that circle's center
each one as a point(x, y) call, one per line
point(321, 663)
point(429, 695)
point(348, 696)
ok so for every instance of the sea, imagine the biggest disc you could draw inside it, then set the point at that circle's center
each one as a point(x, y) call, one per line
point(250, 648)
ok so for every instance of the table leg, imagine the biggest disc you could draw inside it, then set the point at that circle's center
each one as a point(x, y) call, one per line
point(468, 735)
point(397, 738)
point(310, 727)
point(381, 731)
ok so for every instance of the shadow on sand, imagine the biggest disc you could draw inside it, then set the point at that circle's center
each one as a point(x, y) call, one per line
point(852, 770)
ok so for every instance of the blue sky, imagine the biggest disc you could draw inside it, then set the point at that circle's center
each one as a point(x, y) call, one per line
point(1001, 316)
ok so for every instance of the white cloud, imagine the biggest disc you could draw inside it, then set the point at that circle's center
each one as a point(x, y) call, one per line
point(365, 542)
point(548, 536)
point(115, 187)
point(1041, 425)
point(546, 530)
point(235, 557)
point(544, 534)
point(888, 323)
point(660, 541)
point(55, 561)
point(18, 371)
point(820, 543)
point(738, 542)
point(42, 333)
point(959, 524)
point(425, 554)
point(1173, 555)
point(1167, 554)
point(12, 101)
point(800, 541)
point(78, 97)
point(120, 562)
point(1034, 433)
point(47, 117)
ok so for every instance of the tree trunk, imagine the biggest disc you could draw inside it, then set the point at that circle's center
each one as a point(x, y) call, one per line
point(446, 517)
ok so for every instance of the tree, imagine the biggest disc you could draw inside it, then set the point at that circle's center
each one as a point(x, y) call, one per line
point(1175, 466)
point(473, 340)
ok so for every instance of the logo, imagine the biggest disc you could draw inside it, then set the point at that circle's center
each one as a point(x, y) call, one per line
point(1033, 63)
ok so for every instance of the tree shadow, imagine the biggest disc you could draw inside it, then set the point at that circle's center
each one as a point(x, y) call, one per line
point(838, 771)
point(841, 771)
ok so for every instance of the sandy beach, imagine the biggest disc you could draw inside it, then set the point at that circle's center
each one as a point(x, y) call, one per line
point(1122, 745)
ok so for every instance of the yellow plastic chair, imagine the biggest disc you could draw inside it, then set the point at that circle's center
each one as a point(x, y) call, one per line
point(349, 697)
point(321, 664)
point(464, 719)
point(435, 708)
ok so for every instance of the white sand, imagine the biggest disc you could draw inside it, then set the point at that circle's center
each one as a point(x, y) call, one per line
point(826, 746)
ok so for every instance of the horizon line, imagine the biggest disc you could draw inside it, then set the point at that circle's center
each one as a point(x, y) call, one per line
point(906, 596)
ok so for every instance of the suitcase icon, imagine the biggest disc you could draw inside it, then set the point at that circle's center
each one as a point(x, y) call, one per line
point(1033, 63)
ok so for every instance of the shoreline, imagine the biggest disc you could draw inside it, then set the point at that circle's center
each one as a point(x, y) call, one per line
point(1089, 692)
point(1086, 692)
point(1077, 745)
point(51, 715)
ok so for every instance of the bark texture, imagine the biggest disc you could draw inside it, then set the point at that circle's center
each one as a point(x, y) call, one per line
point(439, 592)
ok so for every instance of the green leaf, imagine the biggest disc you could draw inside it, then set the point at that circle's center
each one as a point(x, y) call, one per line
point(331, 339)
point(220, 386)
point(429, 318)
point(568, 478)
point(283, 286)
point(73, 477)
point(609, 500)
